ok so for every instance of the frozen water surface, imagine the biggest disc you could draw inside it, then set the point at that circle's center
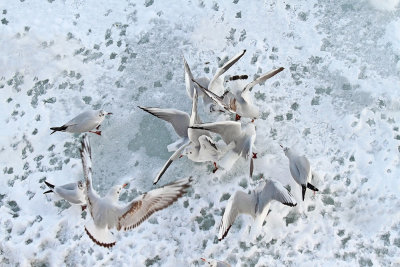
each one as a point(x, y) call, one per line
point(337, 102)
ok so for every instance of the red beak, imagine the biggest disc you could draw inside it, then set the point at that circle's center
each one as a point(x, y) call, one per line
point(124, 185)
point(203, 259)
point(109, 113)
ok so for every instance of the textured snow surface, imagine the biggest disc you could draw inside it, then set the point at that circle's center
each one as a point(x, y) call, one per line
point(337, 102)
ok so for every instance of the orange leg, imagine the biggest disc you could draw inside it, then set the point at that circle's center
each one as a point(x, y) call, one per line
point(215, 167)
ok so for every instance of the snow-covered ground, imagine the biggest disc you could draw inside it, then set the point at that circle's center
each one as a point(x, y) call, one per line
point(337, 102)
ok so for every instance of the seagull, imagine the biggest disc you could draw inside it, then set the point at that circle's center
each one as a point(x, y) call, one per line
point(72, 192)
point(242, 136)
point(197, 145)
point(84, 122)
point(107, 213)
point(215, 85)
point(300, 169)
point(239, 101)
point(216, 263)
point(256, 204)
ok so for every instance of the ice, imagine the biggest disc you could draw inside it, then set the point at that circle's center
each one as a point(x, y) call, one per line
point(336, 102)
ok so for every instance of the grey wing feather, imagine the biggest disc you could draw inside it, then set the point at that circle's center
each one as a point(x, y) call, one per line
point(217, 99)
point(273, 190)
point(237, 204)
point(188, 79)
point(224, 68)
point(141, 208)
point(230, 131)
point(179, 119)
point(262, 78)
point(173, 157)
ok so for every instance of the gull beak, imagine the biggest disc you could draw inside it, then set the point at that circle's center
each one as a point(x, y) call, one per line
point(281, 145)
point(109, 113)
point(203, 259)
point(124, 185)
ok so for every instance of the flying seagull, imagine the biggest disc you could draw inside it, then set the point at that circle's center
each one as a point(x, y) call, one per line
point(215, 85)
point(107, 212)
point(239, 101)
point(72, 192)
point(256, 204)
point(300, 169)
point(84, 122)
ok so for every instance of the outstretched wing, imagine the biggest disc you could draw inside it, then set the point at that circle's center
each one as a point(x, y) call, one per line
point(261, 79)
point(224, 68)
point(217, 99)
point(178, 119)
point(239, 203)
point(140, 209)
point(188, 79)
point(86, 156)
point(274, 190)
point(173, 157)
point(229, 130)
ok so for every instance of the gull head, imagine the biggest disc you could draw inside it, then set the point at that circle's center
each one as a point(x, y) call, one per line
point(81, 185)
point(212, 263)
point(285, 149)
point(115, 191)
point(103, 113)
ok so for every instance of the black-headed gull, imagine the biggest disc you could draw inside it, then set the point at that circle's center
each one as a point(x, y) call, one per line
point(197, 145)
point(215, 263)
point(238, 100)
point(300, 169)
point(72, 192)
point(84, 122)
point(107, 213)
point(241, 135)
point(215, 85)
point(256, 204)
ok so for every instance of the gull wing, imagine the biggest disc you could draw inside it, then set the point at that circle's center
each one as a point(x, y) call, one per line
point(239, 203)
point(224, 68)
point(188, 79)
point(230, 131)
point(140, 209)
point(178, 119)
point(173, 157)
point(261, 79)
point(273, 190)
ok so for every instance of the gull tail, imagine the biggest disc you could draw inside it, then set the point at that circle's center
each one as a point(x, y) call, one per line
point(101, 236)
point(58, 129)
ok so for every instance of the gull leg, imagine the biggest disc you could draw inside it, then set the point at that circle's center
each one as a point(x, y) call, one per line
point(96, 132)
point(237, 118)
point(215, 167)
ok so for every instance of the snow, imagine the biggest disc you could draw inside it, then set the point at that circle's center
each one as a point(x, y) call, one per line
point(337, 102)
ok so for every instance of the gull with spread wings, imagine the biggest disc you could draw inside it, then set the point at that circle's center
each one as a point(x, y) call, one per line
point(256, 204)
point(107, 212)
point(239, 101)
point(215, 86)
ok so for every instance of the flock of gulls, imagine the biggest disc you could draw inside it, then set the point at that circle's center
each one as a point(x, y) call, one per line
point(197, 141)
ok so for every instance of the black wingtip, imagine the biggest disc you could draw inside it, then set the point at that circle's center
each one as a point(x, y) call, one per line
point(303, 190)
point(313, 188)
point(48, 191)
point(49, 184)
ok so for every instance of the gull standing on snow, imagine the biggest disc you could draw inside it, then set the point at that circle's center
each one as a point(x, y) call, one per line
point(72, 192)
point(300, 169)
point(107, 213)
point(239, 100)
point(197, 145)
point(84, 122)
point(215, 85)
point(216, 263)
point(242, 136)
point(256, 204)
